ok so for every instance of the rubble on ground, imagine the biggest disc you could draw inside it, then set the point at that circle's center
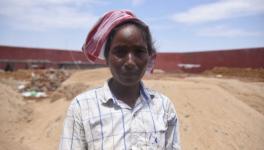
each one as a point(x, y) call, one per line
point(243, 73)
point(47, 81)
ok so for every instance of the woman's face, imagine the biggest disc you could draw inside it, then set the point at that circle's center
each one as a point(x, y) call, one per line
point(128, 55)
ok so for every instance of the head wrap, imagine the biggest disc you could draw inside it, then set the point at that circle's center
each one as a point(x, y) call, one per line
point(94, 45)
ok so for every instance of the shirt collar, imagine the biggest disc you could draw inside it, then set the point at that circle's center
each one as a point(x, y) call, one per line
point(108, 96)
point(144, 92)
point(107, 93)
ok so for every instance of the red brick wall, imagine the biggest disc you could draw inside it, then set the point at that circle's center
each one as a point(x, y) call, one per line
point(19, 53)
point(170, 62)
point(239, 58)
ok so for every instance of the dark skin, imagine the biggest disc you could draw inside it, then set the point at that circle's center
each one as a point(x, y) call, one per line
point(127, 59)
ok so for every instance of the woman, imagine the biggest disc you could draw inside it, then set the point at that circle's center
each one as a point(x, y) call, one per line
point(123, 114)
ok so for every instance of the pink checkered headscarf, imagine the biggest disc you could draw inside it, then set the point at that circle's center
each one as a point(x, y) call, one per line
point(94, 45)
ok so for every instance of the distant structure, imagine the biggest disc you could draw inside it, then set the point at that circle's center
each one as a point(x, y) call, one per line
point(12, 58)
point(196, 62)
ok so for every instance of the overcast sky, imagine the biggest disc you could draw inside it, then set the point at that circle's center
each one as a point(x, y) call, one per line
point(176, 25)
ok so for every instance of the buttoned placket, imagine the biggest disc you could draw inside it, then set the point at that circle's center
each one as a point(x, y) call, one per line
point(131, 119)
point(134, 124)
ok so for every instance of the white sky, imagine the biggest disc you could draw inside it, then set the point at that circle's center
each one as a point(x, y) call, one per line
point(176, 25)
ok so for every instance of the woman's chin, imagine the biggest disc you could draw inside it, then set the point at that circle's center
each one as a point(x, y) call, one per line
point(129, 80)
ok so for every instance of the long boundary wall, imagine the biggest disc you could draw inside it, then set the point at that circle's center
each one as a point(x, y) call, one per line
point(200, 61)
point(20, 57)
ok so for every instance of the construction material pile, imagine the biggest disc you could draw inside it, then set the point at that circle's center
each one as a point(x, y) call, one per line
point(48, 80)
point(214, 113)
point(243, 73)
point(43, 82)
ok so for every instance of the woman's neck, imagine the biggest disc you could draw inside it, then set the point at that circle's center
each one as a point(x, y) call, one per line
point(128, 94)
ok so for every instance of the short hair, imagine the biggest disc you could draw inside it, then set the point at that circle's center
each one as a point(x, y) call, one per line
point(145, 33)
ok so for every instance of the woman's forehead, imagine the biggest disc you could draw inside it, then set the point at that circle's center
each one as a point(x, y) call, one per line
point(129, 34)
point(129, 31)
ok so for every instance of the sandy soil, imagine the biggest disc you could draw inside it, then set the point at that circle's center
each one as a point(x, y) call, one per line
point(215, 113)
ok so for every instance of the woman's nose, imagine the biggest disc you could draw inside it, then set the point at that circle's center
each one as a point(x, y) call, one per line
point(130, 61)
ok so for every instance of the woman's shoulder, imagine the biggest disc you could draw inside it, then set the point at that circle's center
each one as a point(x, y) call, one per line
point(158, 96)
point(89, 94)
point(156, 93)
point(161, 101)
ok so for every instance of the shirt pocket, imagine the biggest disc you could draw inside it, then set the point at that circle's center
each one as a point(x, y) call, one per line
point(98, 127)
point(154, 137)
point(157, 139)
point(105, 126)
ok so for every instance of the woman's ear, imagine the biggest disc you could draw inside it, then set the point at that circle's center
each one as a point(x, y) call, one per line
point(151, 63)
point(106, 61)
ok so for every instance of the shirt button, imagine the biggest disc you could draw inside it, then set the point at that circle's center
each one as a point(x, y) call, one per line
point(134, 115)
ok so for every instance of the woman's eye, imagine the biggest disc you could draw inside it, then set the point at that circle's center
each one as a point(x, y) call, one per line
point(120, 52)
point(141, 52)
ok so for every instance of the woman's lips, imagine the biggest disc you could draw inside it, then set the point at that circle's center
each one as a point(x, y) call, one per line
point(129, 74)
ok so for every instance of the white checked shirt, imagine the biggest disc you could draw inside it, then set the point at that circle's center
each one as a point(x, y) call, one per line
point(97, 120)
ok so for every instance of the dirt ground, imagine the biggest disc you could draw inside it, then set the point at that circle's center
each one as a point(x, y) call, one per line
point(216, 112)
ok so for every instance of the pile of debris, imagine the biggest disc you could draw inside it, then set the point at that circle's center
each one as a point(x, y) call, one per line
point(243, 73)
point(44, 82)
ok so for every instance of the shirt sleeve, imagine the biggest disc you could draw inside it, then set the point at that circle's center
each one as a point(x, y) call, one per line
point(73, 136)
point(172, 133)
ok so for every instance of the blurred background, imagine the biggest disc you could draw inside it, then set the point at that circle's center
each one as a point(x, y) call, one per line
point(177, 26)
point(210, 62)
